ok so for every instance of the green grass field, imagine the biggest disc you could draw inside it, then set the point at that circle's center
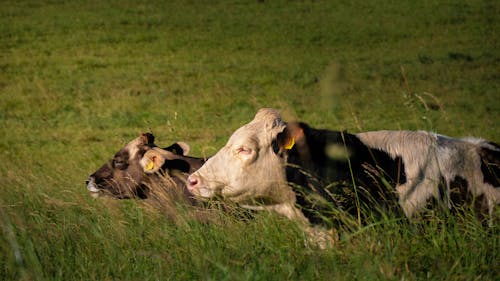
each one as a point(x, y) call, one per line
point(79, 79)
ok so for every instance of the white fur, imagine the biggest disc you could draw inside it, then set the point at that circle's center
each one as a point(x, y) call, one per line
point(428, 158)
point(256, 173)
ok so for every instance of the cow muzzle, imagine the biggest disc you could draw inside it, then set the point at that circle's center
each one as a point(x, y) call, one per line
point(92, 187)
point(197, 187)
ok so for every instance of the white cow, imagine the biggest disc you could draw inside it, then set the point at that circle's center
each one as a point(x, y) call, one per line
point(265, 160)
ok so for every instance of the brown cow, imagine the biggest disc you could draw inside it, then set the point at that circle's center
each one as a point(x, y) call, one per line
point(139, 165)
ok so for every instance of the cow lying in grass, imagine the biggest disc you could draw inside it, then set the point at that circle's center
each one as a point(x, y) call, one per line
point(142, 170)
point(139, 165)
point(267, 164)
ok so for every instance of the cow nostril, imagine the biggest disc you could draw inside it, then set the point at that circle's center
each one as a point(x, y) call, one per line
point(90, 180)
point(91, 185)
point(192, 181)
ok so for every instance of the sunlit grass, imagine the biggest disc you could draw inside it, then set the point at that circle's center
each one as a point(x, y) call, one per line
point(78, 80)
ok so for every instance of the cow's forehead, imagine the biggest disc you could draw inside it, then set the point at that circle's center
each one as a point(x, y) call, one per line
point(134, 146)
point(267, 114)
point(269, 120)
point(245, 135)
point(265, 126)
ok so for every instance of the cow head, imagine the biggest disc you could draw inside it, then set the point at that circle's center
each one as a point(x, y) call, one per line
point(251, 166)
point(127, 174)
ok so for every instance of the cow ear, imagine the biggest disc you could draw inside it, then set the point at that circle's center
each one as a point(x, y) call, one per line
point(179, 148)
point(286, 140)
point(152, 161)
point(147, 138)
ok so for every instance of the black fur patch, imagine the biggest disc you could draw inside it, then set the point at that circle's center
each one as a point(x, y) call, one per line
point(318, 179)
point(459, 193)
point(176, 164)
point(490, 164)
point(175, 148)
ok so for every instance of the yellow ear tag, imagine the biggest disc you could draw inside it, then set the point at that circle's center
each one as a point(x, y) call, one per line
point(290, 143)
point(150, 166)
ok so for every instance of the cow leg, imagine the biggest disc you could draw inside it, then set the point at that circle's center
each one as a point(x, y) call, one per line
point(414, 194)
point(315, 236)
point(478, 187)
point(492, 199)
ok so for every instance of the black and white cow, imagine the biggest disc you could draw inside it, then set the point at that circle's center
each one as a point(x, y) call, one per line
point(267, 164)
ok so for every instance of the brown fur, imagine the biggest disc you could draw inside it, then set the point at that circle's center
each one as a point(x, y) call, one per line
point(124, 177)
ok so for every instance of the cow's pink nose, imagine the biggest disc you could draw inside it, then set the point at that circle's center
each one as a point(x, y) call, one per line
point(192, 181)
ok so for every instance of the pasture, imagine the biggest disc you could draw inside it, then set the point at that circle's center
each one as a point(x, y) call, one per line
point(79, 79)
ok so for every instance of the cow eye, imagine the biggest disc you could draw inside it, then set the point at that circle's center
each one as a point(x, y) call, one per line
point(120, 164)
point(244, 151)
point(246, 154)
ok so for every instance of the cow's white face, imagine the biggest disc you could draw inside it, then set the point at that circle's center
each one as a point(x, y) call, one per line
point(249, 168)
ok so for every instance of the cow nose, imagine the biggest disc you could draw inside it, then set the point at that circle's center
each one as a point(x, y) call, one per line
point(91, 185)
point(193, 183)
